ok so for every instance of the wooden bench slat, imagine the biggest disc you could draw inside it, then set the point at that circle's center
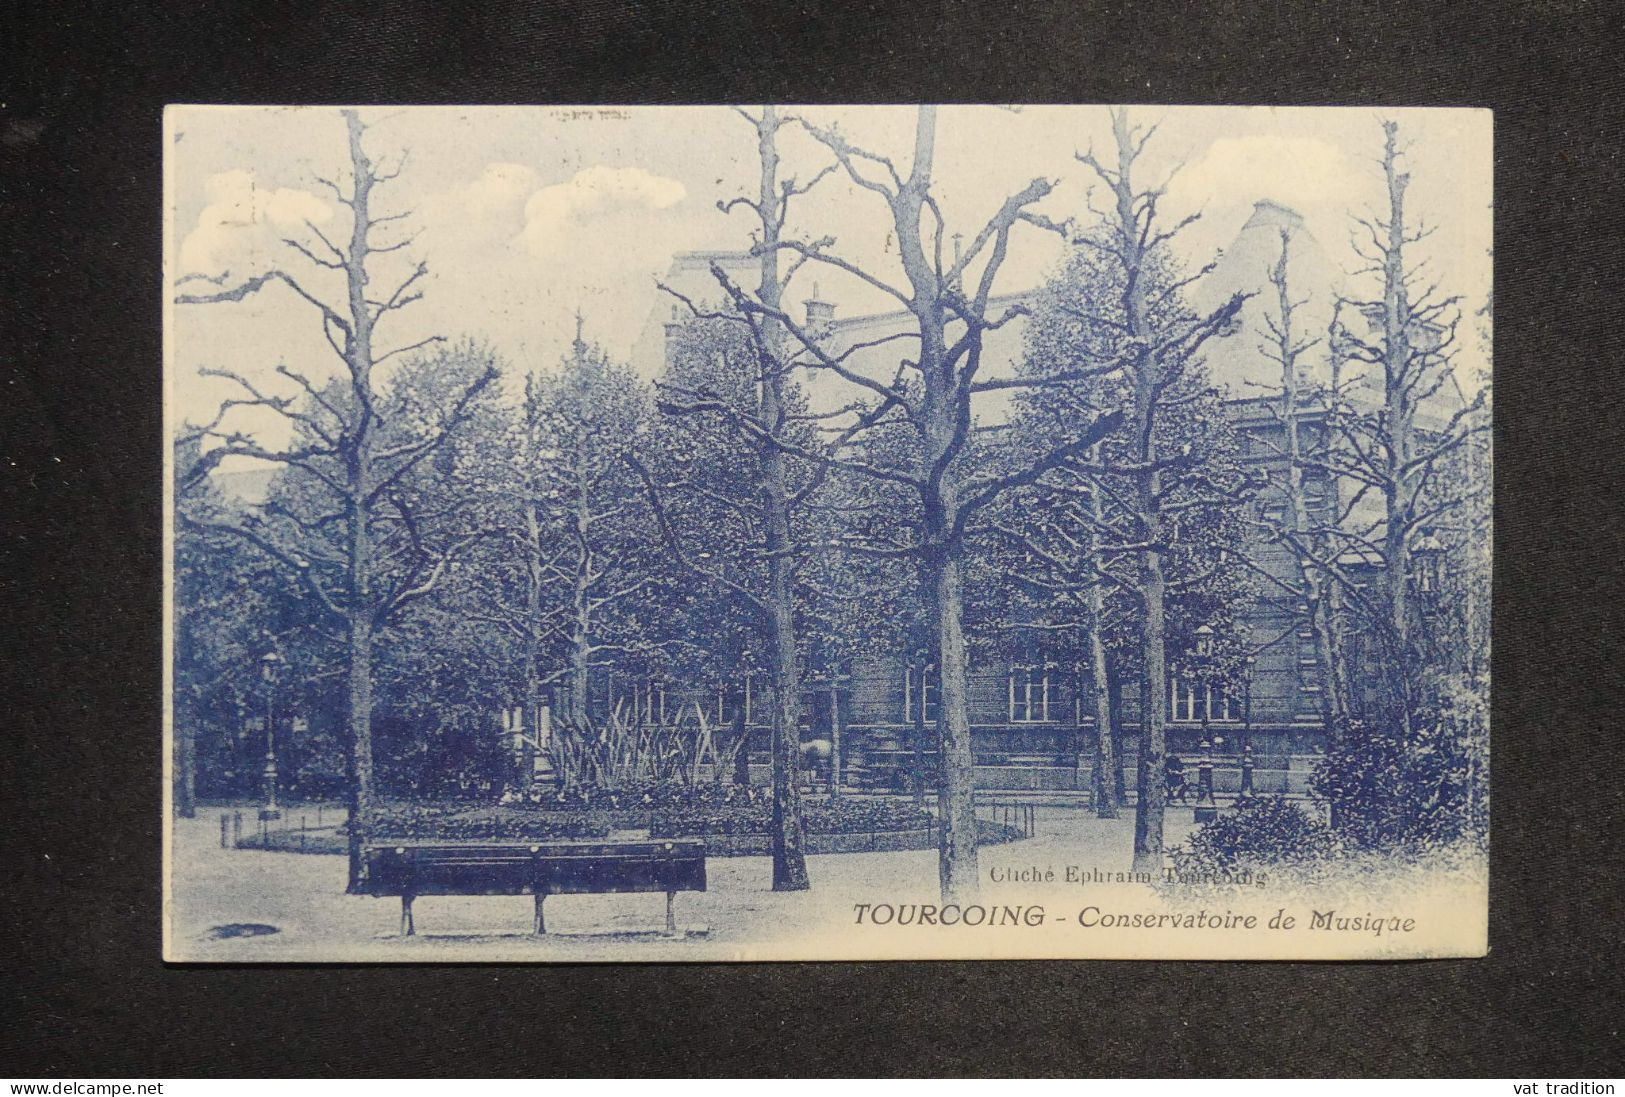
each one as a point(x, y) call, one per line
point(411, 869)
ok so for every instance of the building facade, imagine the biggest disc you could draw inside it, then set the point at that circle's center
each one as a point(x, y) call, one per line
point(1032, 722)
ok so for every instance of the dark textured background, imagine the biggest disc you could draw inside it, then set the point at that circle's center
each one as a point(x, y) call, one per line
point(80, 101)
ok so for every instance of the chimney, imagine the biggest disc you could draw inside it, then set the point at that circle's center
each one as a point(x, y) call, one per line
point(1268, 213)
point(674, 328)
point(820, 314)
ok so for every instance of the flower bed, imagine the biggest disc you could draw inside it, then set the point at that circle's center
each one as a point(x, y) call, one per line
point(860, 841)
point(733, 820)
point(451, 823)
point(820, 817)
point(643, 796)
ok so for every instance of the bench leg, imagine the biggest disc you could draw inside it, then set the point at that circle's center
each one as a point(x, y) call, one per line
point(671, 914)
point(541, 924)
point(407, 928)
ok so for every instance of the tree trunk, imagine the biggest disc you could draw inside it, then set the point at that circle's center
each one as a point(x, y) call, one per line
point(1081, 747)
point(1114, 709)
point(580, 672)
point(1108, 765)
point(1148, 812)
point(1146, 377)
point(789, 839)
point(359, 481)
point(533, 671)
point(741, 729)
point(360, 714)
point(957, 864)
point(581, 593)
point(1398, 421)
point(835, 730)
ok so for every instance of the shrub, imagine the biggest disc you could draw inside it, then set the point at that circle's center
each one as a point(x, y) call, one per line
point(1431, 787)
point(1263, 832)
point(853, 816)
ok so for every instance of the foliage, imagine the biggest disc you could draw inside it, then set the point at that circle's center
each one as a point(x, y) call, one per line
point(1263, 832)
point(754, 816)
point(647, 794)
point(430, 822)
point(628, 749)
point(1388, 789)
point(1048, 546)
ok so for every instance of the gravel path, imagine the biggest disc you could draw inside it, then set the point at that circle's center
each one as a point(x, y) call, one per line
point(301, 896)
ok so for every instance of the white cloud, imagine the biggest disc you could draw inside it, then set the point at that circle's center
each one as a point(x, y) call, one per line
point(1300, 172)
point(243, 221)
point(511, 259)
point(598, 193)
point(492, 206)
point(500, 188)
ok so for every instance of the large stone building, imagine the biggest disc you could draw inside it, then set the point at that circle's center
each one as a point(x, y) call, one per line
point(1031, 724)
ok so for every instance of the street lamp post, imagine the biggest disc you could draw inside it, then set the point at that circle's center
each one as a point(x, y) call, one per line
point(1247, 726)
point(270, 667)
point(1207, 809)
point(1427, 557)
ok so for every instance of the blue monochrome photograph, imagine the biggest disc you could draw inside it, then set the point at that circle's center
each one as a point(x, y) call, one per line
point(765, 532)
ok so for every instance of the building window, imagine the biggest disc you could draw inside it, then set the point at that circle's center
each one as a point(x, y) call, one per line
point(1192, 701)
point(921, 686)
point(1029, 695)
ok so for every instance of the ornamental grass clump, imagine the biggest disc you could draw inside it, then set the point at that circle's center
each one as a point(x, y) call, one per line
point(628, 748)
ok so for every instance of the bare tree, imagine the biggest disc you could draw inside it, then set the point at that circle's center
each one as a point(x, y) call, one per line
point(371, 556)
point(769, 417)
point(1302, 410)
point(934, 393)
point(1160, 344)
point(1079, 532)
point(1398, 446)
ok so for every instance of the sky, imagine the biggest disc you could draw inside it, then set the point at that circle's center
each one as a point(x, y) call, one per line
point(525, 215)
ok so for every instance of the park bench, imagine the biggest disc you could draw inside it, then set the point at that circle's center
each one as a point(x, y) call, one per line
point(411, 869)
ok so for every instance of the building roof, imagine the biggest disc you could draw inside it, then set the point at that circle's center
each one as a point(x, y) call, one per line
point(1236, 363)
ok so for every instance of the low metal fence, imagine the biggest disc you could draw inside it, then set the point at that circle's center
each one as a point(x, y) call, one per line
point(1019, 817)
point(308, 828)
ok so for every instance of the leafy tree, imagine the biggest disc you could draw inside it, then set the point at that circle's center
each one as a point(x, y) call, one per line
point(589, 599)
point(230, 604)
point(364, 556)
point(706, 478)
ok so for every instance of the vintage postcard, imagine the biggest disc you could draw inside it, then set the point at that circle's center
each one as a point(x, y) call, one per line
point(792, 533)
